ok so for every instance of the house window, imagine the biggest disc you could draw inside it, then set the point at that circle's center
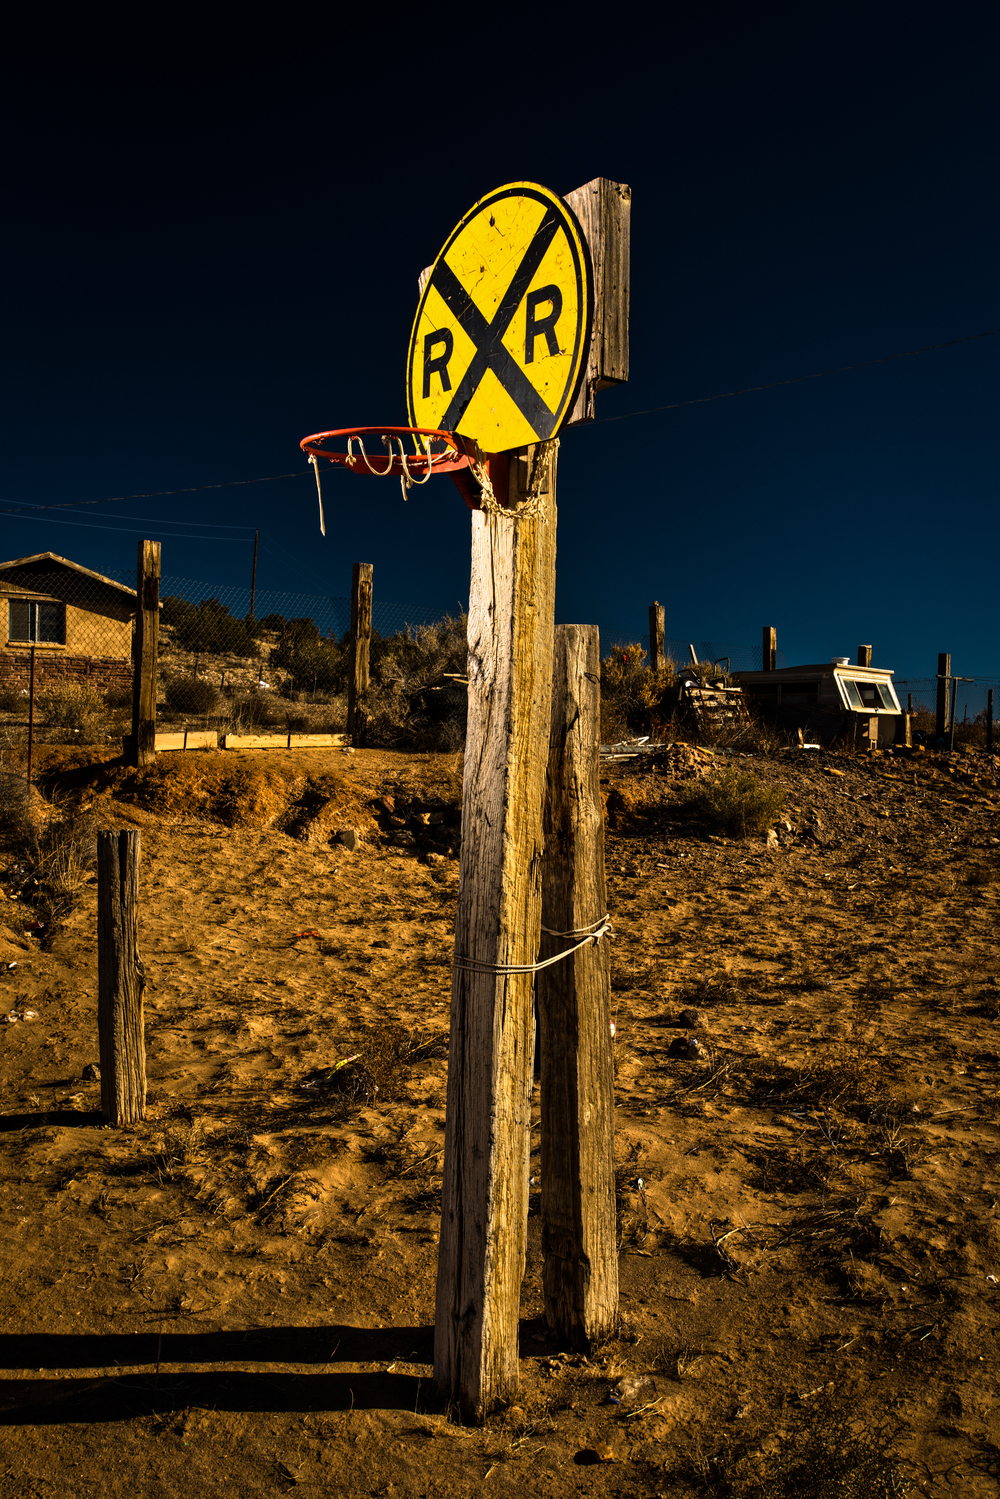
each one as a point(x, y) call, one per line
point(869, 697)
point(38, 623)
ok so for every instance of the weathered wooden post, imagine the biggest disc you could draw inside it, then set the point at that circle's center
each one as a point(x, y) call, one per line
point(120, 980)
point(145, 642)
point(522, 317)
point(361, 639)
point(656, 628)
point(989, 720)
point(943, 681)
point(497, 928)
point(769, 649)
point(864, 655)
point(580, 1276)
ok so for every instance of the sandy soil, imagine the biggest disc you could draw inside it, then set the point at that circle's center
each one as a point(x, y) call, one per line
point(237, 1296)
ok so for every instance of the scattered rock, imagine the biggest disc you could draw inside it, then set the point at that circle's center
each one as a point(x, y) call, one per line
point(633, 1389)
point(91, 1073)
point(686, 1047)
point(348, 837)
point(772, 838)
point(30, 1015)
point(689, 1019)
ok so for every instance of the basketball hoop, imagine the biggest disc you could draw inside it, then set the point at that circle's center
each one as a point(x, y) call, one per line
point(435, 452)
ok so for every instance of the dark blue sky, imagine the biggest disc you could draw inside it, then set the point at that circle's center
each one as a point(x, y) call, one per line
point(208, 257)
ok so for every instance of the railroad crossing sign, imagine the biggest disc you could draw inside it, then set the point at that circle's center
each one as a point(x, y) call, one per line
point(502, 332)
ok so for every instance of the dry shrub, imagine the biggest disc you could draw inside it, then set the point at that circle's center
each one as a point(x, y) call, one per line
point(415, 701)
point(380, 1070)
point(254, 711)
point(191, 695)
point(732, 802)
point(79, 711)
point(632, 696)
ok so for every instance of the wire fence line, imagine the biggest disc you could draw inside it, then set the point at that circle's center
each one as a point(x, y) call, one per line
point(970, 697)
point(740, 657)
point(66, 654)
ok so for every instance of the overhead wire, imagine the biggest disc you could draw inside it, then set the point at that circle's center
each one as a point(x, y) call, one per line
point(839, 369)
point(724, 395)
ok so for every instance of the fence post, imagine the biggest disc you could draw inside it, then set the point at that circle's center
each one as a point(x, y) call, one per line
point(144, 654)
point(361, 635)
point(656, 618)
point(864, 655)
point(497, 926)
point(580, 1275)
point(120, 980)
point(943, 682)
point(989, 720)
point(31, 713)
point(769, 651)
point(253, 575)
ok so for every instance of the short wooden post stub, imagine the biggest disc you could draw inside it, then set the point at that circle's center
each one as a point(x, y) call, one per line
point(656, 628)
point(120, 980)
point(580, 1275)
point(769, 649)
point(943, 718)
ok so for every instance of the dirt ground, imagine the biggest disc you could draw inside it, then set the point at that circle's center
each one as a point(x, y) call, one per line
point(237, 1296)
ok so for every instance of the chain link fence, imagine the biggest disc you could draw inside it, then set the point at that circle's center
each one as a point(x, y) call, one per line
point(233, 660)
point(229, 660)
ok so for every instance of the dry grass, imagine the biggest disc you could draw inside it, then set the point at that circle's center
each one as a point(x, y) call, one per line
point(828, 1450)
point(83, 716)
point(734, 803)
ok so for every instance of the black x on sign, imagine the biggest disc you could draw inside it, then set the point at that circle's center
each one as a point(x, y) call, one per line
point(501, 335)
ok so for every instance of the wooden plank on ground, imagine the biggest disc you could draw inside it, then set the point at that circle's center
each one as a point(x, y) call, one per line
point(188, 739)
point(318, 741)
point(284, 741)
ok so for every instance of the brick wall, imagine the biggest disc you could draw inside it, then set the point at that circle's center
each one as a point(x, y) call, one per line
point(100, 673)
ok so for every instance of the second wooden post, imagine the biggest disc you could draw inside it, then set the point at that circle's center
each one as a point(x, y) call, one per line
point(145, 645)
point(361, 639)
point(497, 928)
point(120, 980)
point(580, 1276)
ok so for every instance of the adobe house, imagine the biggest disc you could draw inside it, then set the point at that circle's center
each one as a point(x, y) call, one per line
point(831, 699)
point(79, 623)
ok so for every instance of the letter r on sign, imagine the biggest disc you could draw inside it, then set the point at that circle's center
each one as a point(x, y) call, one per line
point(536, 326)
point(438, 365)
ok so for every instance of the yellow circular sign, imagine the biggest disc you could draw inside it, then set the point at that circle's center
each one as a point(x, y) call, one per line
point(502, 333)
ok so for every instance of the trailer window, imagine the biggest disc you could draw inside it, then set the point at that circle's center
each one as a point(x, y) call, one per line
point(868, 697)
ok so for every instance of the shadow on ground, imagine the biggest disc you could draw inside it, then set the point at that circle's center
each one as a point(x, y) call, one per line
point(158, 1389)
